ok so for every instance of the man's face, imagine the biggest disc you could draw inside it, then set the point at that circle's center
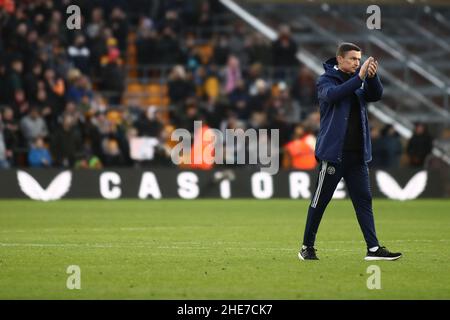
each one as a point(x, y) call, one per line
point(350, 62)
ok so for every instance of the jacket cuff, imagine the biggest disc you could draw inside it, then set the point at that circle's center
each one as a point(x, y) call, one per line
point(356, 81)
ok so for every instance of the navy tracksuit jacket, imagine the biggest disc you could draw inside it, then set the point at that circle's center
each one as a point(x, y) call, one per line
point(337, 94)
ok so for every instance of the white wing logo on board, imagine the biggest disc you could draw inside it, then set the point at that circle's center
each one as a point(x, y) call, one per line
point(56, 189)
point(392, 190)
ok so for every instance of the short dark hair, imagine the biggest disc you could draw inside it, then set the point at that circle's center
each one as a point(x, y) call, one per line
point(345, 47)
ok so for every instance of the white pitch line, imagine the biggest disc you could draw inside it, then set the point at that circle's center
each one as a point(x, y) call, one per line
point(3, 244)
point(112, 229)
point(190, 246)
point(192, 243)
point(109, 246)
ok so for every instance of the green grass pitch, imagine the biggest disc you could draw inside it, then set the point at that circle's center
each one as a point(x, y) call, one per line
point(216, 249)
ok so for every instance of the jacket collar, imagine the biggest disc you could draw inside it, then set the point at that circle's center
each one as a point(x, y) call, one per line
point(331, 69)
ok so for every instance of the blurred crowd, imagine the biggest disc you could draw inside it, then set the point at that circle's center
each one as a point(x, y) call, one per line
point(62, 91)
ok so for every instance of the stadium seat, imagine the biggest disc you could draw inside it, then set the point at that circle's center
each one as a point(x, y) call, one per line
point(135, 87)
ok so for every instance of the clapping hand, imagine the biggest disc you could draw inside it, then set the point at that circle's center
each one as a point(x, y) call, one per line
point(372, 70)
point(365, 68)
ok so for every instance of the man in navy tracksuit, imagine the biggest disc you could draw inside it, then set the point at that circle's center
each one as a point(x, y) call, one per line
point(343, 145)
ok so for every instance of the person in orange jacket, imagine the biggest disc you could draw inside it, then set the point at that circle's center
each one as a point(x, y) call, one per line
point(299, 153)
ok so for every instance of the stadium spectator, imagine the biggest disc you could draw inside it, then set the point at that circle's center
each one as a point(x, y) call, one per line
point(236, 43)
point(239, 99)
point(258, 120)
point(39, 156)
point(11, 132)
point(282, 114)
point(146, 43)
point(284, 105)
point(20, 104)
point(66, 143)
point(4, 152)
point(169, 50)
point(259, 50)
point(55, 88)
point(80, 54)
point(232, 74)
point(221, 50)
point(40, 15)
point(80, 88)
point(15, 79)
point(102, 124)
point(419, 146)
point(190, 53)
point(255, 73)
point(204, 20)
point(71, 109)
point(179, 87)
point(96, 24)
point(284, 49)
point(172, 21)
point(31, 49)
point(202, 156)
point(4, 163)
point(119, 25)
point(112, 76)
point(210, 87)
point(112, 155)
point(149, 124)
point(259, 96)
point(377, 148)
point(18, 41)
point(303, 90)
point(5, 95)
point(97, 36)
point(7, 5)
point(391, 147)
point(299, 153)
point(45, 108)
point(33, 126)
point(186, 118)
point(231, 122)
point(34, 80)
point(167, 145)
